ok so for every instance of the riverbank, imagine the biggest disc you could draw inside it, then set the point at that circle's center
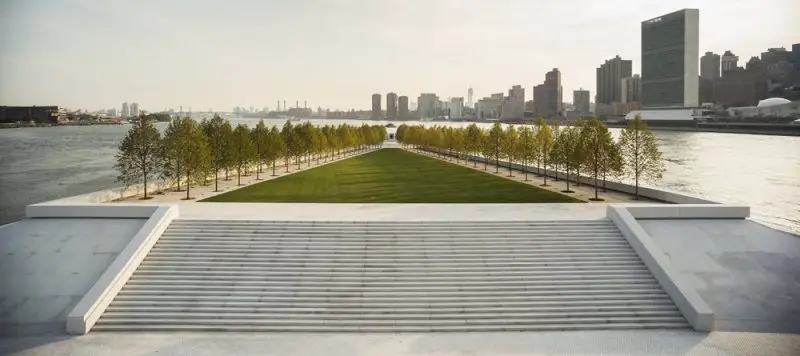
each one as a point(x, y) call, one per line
point(76, 123)
point(733, 128)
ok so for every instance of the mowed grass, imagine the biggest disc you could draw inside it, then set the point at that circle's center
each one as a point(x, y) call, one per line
point(392, 175)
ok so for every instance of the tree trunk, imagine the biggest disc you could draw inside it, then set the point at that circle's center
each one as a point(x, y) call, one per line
point(258, 170)
point(188, 184)
point(216, 180)
point(636, 196)
point(525, 168)
point(595, 184)
point(239, 175)
point(145, 185)
point(273, 168)
point(545, 174)
point(604, 181)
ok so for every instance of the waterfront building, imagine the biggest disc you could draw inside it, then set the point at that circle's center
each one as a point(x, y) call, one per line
point(580, 99)
point(428, 106)
point(391, 106)
point(670, 51)
point(609, 76)
point(514, 104)
point(489, 107)
point(469, 97)
point(377, 113)
point(631, 89)
point(456, 107)
point(135, 110)
point(402, 104)
point(125, 113)
point(36, 114)
point(547, 96)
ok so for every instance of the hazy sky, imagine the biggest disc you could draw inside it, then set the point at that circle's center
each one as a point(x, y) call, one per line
point(218, 54)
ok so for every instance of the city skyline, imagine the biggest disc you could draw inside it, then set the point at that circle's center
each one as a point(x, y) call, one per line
point(106, 59)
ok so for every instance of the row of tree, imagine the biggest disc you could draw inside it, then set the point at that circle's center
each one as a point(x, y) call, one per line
point(586, 146)
point(192, 152)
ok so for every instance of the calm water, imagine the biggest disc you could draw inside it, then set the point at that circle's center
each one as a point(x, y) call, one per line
point(40, 164)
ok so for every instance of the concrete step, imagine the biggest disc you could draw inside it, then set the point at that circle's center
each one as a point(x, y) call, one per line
point(356, 309)
point(392, 279)
point(360, 250)
point(325, 274)
point(353, 293)
point(397, 259)
point(415, 301)
point(381, 285)
point(375, 237)
point(392, 328)
point(167, 246)
point(194, 222)
point(391, 276)
point(365, 323)
point(539, 316)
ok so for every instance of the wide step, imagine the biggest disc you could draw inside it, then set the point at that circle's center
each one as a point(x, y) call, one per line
point(390, 277)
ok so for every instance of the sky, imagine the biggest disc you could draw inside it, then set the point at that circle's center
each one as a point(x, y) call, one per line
point(88, 54)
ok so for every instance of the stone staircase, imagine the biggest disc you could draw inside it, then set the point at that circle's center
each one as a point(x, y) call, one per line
point(391, 276)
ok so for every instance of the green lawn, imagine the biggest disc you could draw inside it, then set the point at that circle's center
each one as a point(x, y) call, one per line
point(392, 176)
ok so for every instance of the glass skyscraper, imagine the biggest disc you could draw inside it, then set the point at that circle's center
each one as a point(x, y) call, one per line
point(670, 52)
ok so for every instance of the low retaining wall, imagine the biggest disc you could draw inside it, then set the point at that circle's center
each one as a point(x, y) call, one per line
point(94, 303)
point(649, 193)
point(692, 306)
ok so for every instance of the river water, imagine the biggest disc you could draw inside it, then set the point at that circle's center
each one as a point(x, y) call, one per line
point(40, 164)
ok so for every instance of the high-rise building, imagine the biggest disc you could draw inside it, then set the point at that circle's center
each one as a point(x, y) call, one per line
point(514, 104)
point(631, 89)
point(428, 105)
point(391, 106)
point(670, 53)
point(729, 62)
point(377, 113)
point(402, 103)
point(709, 66)
point(469, 97)
point(456, 108)
point(547, 96)
point(134, 110)
point(580, 98)
point(609, 76)
point(125, 112)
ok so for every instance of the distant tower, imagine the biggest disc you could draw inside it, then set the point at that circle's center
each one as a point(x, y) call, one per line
point(305, 104)
point(279, 105)
point(391, 106)
point(469, 97)
point(284, 105)
point(377, 114)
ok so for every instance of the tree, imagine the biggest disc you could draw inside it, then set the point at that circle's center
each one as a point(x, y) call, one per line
point(640, 154)
point(260, 137)
point(197, 159)
point(215, 133)
point(544, 140)
point(289, 139)
point(611, 161)
point(496, 135)
point(243, 150)
point(227, 148)
point(597, 141)
point(510, 146)
point(578, 151)
point(526, 147)
point(473, 141)
point(138, 158)
point(487, 148)
point(173, 150)
point(276, 147)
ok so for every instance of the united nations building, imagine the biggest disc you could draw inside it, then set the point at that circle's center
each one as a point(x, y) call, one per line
point(670, 52)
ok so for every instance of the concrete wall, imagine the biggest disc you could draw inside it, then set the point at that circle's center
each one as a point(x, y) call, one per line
point(649, 193)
